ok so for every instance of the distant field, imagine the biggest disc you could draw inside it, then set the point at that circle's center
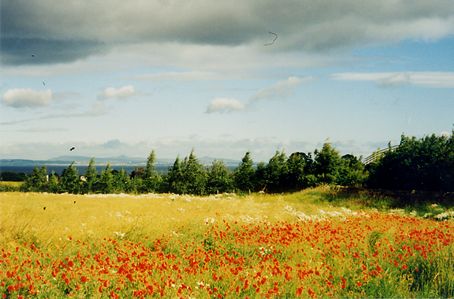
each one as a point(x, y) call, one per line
point(12, 184)
point(231, 246)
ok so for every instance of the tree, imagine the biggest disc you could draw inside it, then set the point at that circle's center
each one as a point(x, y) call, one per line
point(351, 171)
point(300, 171)
point(174, 178)
point(327, 164)
point(244, 174)
point(219, 178)
point(70, 181)
point(122, 182)
point(152, 179)
point(277, 172)
point(106, 180)
point(37, 180)
point(137, 184)
point(91, 176)
point(260, 176)
point(194, 175)
point(53, 184)
point(416, 164)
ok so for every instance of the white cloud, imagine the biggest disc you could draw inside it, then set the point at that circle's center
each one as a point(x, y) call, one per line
point(25, 97)
point(224, 105)
point(179, 76)
point(118, 93)
point(426, 79)
point(281, 89)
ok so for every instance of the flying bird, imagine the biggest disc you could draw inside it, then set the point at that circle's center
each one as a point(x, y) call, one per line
point(72, 148)
point(44, 83)
point(274, 39)
point(33, 55)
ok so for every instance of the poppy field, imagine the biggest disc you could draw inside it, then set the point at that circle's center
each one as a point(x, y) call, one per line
point(226, 246)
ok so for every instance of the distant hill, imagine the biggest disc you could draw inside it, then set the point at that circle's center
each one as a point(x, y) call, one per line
point(114, 161)
point(118, 160)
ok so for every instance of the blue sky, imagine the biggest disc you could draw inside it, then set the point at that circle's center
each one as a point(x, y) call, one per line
point(125, 77)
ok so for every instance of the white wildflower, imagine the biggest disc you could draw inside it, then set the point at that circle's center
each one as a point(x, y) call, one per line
point(120, 235)
point(209, 220)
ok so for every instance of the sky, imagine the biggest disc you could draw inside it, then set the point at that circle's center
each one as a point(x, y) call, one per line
point(222, 77)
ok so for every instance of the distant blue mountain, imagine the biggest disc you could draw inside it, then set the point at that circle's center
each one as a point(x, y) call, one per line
point(114, 161)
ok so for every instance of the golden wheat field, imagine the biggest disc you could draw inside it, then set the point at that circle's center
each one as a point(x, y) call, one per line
point(222, 246)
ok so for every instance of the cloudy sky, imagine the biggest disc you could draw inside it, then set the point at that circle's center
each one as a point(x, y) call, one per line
point(124, 77)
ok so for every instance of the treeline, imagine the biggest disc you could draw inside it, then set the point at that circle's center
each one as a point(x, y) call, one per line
point(189, 176)
point(425, 164)
point(419, 164)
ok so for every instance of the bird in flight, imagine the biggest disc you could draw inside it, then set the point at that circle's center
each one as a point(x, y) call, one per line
point(44, 83)
point(72, 148)
point(33, 55)
point(274, 39)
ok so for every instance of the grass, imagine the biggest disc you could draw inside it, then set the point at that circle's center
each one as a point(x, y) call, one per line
point(6, 186)
point(306, 244)
point(53, 216)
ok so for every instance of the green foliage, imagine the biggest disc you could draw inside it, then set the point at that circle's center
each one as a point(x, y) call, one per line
point(53, 184)
point(260, 183)
point(122, 182)
point(151, 178)
point(10, 186)
point(300, 167)
point(70, 181)
point(351, 172)
point(416, 164)
point(106, 181)
point(244, 174)
point(37, 181)
point(174, 178)
point(327, 164)
point(11, 176)
point(219, 178)
point(91, 177)
point(277, 173)
point(194, 175)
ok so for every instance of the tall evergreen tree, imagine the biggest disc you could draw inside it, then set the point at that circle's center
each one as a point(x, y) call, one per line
point(91, 176)
point(174, 178)
point(152, 179)
point(106, 180)
point(194, 175)
point(244, 174)
point(70, 181)
point(277, 172)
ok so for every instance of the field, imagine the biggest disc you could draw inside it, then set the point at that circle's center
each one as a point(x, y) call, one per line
point(223, 246)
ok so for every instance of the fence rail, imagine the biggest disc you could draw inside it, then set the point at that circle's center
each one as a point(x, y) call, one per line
point(378, 154)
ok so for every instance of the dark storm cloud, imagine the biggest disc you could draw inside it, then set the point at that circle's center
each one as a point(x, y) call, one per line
point(18, 51)
point(72, 29)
